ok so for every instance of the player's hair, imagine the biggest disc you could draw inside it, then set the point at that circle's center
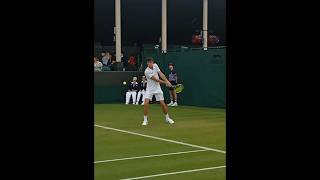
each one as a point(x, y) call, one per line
point(150, 59)
point(171, 64)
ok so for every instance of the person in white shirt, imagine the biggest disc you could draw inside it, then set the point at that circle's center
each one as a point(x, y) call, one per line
point(97, 65)
point(152, 73)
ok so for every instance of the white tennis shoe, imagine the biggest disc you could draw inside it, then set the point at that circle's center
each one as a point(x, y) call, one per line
point(145, 122)
point(169, 120)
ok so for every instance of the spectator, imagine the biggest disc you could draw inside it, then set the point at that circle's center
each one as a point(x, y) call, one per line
point(173, 78)
point(97, 65)
point(105, 58)
point(132, 91)
point(124, 60)
point(132, 60)
point(113, 59)
point(142, 90)
point(132, 63)
point(113, 62)
point(109, 59)
point(103, 53)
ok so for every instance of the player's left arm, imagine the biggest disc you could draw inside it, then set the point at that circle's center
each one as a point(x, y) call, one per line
point(163, 77)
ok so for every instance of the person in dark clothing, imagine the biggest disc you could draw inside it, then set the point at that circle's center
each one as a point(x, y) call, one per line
point(142, 90)
point(173, 79)
point(132, 91)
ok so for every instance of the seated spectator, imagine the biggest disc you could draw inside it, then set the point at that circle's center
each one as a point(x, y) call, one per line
point(97, 65)
point(124, 60)
point(103, 53)
point(132, 63)
point(113, 60)
point(105, 58)
point(142, 90)
point(106, 61)
point(132, 91)
point(113, 63)
point(109, 59)
point(132, 60)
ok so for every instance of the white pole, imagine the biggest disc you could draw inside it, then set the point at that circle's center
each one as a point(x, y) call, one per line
point(164, 27)
point(205, 25)
point(118, 29)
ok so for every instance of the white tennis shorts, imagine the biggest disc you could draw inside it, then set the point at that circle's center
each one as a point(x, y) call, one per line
point(158, 95)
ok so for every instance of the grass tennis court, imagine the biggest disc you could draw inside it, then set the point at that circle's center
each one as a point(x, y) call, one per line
point(192, 148)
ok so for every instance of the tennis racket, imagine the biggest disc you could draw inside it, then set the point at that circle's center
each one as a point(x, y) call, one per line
point(179, 88)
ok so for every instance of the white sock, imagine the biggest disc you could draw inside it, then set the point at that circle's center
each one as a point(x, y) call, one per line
point(145, 118)
point(167, 116)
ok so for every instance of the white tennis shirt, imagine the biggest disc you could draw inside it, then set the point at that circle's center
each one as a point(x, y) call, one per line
point(152, 86)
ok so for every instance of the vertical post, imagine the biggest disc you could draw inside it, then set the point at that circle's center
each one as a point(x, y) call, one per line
point(118, 29)
point(164, 27)
point(205, 25)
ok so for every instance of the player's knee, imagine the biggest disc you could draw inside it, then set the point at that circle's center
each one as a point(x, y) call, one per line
point(162, 102)
point(146, 101)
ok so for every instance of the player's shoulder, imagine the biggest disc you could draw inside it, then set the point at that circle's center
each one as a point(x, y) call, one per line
point(147, 70)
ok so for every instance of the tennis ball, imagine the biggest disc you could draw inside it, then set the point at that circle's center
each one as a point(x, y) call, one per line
point(124, 83)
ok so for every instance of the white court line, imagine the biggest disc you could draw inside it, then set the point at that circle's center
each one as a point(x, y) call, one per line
point(155, 155)
point(162, 139)
point(178, 172)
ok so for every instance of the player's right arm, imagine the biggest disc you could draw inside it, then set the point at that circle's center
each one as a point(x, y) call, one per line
point(153, 77)
point(158, 80)
point(165, 80)
point(167, 83)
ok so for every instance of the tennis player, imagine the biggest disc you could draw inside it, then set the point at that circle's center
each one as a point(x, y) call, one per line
point(152, 74)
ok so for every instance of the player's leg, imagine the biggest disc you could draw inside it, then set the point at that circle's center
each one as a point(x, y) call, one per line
point(138, 97)
point(128, 94)
point(134, 97)
point(164, 107)
point(159, 97)
point(145, 111)
point(148, 96)
point(143, 96)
